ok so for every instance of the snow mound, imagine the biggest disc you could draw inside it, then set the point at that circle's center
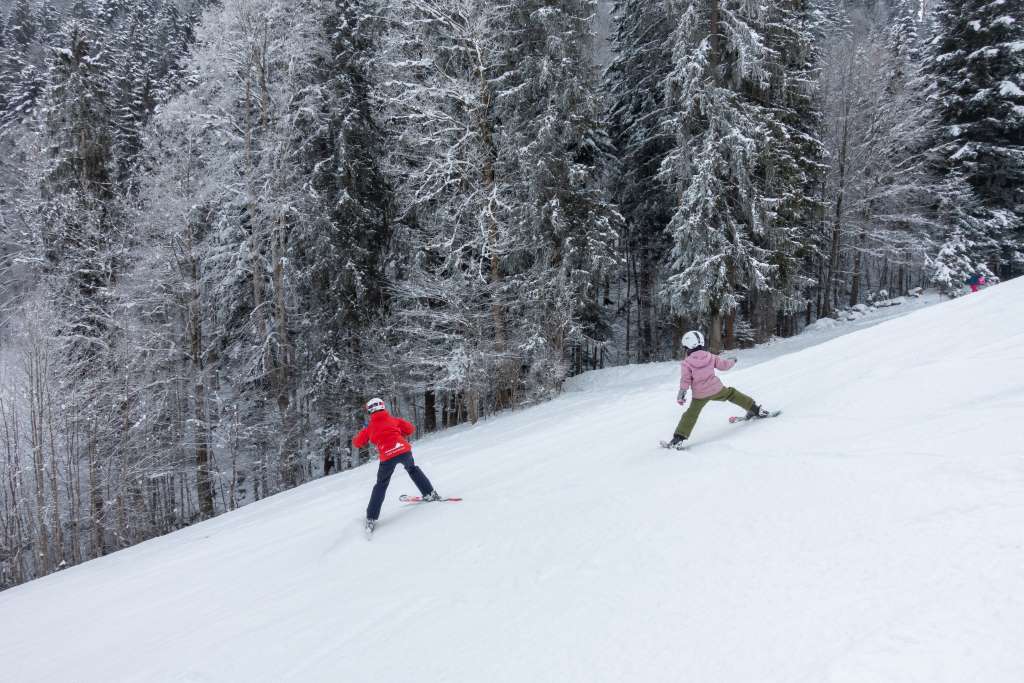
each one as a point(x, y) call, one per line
point(872, 533)
point(822, 325)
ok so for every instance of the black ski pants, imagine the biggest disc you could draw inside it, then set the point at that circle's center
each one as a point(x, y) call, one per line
point(384, 472)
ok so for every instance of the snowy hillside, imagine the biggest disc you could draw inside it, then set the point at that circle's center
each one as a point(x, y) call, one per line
point(874, 533)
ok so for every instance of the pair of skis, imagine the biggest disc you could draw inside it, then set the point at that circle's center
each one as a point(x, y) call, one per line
point(732, 420)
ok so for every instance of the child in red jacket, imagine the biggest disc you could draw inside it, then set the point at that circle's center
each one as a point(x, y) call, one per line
point(389, 435)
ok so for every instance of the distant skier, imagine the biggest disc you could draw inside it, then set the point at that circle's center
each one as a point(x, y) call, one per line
point(976, 281)
point(698, 373)
point(389, 435)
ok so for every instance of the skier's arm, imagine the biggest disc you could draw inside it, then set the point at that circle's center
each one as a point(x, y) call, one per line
point(724, 363)
point(362, 438)
point(685, 380)
point(405, 427)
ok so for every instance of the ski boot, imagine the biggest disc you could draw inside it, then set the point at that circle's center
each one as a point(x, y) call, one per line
point(371, 524)
point(756, 411)
point(678, 442)
point(431, 497)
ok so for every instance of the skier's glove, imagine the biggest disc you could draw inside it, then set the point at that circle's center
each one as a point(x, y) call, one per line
point(681, 397)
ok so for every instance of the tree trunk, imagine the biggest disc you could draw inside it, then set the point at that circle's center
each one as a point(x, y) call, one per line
point(715, 334)
point(855, 283)
point(34, 370)
point(645, 311)
point(284, 363)
point(833, 262)
point(96, 498)
point(716, 38)
point(506, 375)
point(429, 411)
point(204, 484)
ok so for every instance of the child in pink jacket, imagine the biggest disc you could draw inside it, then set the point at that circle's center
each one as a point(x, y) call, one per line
point(699, 375)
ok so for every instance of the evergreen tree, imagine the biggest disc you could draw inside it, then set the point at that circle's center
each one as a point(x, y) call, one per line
point(553, 144)
point(722, 218)
point(133, 96)
point(341, 246)
point(640, 126)
point(21, 24)
point(17, 75)
point(50, 18)
point(977, 63)
point(969, 240)
point(904, 36)
point(791, 164)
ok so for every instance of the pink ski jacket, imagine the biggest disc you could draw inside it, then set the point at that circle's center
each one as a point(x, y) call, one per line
point(699, 373)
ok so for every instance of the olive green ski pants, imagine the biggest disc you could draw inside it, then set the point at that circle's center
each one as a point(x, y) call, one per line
point(689, 418)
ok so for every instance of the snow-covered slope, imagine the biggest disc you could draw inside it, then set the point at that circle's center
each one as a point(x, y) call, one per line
point(874, 533)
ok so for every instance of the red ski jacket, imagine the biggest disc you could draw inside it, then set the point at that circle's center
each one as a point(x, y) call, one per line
point(387, 433)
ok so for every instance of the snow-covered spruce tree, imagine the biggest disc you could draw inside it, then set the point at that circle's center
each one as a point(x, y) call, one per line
point(21, 23)
point(145, 43)
point(453, 211)
point(174, 29)
point(722, 220)
point(22, 73)
point(968, 236)
point(976, 60)
point(905, 38)
point(640, 126)
point(791, 166)
point(132, 47)
point(340, 244)
point(552, 144)
point(50, 16)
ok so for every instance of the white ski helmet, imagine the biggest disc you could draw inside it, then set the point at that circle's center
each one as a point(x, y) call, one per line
point(374, 405)
point(693, 339)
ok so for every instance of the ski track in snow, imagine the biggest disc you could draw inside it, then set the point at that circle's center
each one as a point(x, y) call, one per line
point(873, 533)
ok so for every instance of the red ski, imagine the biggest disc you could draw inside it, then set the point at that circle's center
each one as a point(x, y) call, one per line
point(419, 499)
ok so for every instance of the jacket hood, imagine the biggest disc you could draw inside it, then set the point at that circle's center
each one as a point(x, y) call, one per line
point(700, 359)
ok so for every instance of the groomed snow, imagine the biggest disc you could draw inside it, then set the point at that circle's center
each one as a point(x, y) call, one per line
point(873, 533)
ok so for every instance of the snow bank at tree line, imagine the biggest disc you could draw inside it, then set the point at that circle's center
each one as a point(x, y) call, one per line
point(871, 534)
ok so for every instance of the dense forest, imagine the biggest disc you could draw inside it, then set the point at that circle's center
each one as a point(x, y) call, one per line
point(225, 225)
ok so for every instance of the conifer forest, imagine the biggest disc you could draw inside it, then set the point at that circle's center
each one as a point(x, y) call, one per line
point(225, 225)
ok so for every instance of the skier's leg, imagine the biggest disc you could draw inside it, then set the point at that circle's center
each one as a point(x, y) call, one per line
point(384, 472)
point(689, 418)
point(736, 397)
point(416, 474)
